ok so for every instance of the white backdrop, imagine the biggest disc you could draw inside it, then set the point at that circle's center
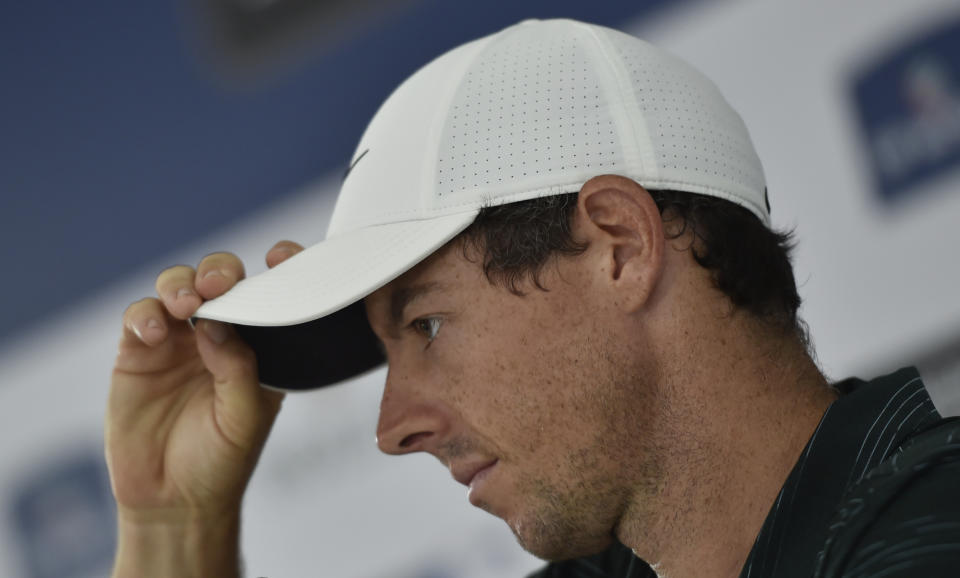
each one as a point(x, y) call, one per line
point(879, 286)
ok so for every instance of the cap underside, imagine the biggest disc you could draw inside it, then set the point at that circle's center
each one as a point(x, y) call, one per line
point(305, 318)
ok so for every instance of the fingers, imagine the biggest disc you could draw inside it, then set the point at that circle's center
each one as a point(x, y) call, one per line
point(224, 354)
point(181, 290)
point(217, 273)
point(234, 368)
point(144, 322)
point(175, 286)
point(152, 339)
point(282, 251)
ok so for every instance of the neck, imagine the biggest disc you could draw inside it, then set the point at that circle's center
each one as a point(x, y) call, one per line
point(738, 423)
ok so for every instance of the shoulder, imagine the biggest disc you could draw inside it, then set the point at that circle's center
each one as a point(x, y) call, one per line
point(903, 519)
point(918, 534)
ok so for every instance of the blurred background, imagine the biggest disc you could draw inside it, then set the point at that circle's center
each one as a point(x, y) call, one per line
point(136, 135)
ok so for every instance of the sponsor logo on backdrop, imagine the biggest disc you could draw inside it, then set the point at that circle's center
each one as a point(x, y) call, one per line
point(908, 104)
point(63, 515)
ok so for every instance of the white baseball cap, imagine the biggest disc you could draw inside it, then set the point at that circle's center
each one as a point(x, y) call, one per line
point(534, 110)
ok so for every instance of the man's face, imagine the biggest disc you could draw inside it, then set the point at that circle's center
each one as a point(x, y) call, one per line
point(533, 401)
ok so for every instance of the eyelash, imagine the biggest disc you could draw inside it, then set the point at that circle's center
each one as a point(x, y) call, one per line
point(428, 327)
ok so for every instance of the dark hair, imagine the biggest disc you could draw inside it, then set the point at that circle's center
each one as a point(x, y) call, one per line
point(749, 262)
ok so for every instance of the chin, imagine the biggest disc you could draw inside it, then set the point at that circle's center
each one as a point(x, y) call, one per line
point(555, 540)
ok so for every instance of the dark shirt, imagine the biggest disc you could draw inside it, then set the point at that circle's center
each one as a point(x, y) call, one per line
point(875, 494)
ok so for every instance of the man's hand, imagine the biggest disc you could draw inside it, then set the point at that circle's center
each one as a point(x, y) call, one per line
point(186, 420)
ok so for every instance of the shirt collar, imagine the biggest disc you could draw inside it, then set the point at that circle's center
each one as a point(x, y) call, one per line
point(865, 425)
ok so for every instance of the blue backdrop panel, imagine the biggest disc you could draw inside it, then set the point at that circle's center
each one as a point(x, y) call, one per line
point(118, 143)
point(908, 105)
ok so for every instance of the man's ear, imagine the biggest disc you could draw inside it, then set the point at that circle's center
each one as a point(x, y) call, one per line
point(622, 224)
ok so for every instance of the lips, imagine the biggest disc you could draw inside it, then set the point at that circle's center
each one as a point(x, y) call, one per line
point(466, 473)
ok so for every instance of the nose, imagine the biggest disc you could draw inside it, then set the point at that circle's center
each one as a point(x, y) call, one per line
point(408, 421)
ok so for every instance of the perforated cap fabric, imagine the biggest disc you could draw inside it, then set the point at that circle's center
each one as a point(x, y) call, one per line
point(535, 110)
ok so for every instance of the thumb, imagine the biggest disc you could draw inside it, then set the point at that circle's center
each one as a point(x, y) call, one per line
point(244, 410)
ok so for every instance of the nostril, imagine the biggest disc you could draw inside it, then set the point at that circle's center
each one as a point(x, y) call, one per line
point(413, 439)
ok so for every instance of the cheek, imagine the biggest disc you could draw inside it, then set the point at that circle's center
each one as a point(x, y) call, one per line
point(531, 387)
point(489, 372)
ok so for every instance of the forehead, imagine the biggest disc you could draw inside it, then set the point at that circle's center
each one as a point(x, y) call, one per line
point(448, 271)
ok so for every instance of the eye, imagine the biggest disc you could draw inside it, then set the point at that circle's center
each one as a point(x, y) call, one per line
point(428, 327)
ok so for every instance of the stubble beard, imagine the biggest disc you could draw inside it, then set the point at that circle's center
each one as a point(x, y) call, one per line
point(579, 512)
point(616, 475)
point(559, 525)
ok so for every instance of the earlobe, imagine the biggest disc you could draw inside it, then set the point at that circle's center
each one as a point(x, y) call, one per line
point(621, 221)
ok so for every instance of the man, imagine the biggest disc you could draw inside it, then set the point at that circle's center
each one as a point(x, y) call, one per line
point(559, 237)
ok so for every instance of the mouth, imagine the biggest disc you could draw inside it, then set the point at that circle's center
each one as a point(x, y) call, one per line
point(471, 474)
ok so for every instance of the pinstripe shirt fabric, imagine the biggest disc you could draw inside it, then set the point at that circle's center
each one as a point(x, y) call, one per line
point(875, 494)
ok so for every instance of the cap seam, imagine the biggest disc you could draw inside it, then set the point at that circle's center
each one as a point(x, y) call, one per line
point(431, 194)
point(637, 125)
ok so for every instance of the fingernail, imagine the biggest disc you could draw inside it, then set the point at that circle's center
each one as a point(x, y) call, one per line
point(218, 332)
point(136, 331)
point(149, 331)
point(184, 292)
point(214, 273)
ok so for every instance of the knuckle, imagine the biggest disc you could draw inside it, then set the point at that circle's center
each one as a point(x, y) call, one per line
point(292, 246)
point(139, 313)
point(281, 251)
point(223, 261)
point(219, 258)
point(140, 308)
point(178, 274)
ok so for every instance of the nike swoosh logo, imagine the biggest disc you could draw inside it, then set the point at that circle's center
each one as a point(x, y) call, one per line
point(354, 163)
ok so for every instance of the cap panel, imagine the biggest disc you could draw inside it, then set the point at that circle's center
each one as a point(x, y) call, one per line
point(535, 110)
point(387, 179)
point(531, 113)
point(333, 274)
point(700, 143)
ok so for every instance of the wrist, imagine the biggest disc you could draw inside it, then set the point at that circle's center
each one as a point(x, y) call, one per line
point(181, 544)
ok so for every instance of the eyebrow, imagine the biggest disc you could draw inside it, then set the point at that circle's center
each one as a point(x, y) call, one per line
point(404, 296)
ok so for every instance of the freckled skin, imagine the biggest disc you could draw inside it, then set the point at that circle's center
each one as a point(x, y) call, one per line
point(535, 381)
point(628, 401)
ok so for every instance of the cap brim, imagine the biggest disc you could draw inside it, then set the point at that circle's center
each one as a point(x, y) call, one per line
point(304, 318)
